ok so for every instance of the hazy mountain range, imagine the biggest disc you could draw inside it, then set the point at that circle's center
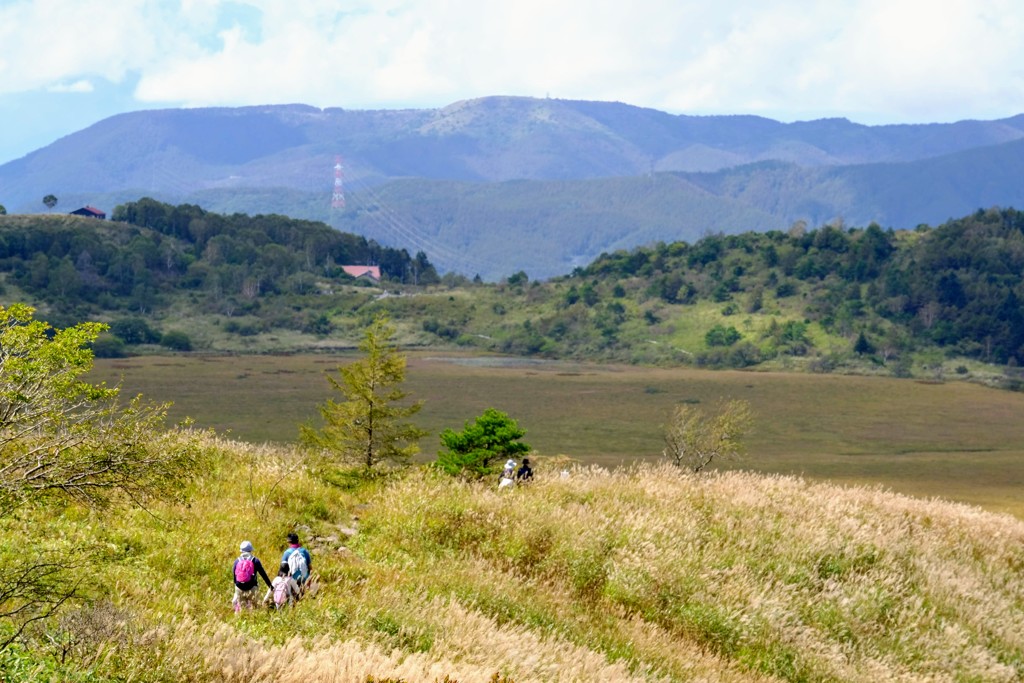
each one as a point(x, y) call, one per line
point(502, 184)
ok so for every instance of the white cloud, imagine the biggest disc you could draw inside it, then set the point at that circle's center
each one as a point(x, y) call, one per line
point(82, 86)
point(881, 59)
point(915, 58)
point(47, 42)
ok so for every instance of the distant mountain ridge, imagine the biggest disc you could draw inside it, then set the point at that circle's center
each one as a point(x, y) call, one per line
point(467, 181)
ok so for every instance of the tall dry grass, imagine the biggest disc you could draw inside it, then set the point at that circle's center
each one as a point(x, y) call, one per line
point(644, 574)
point(466, 647)
point(772, 574)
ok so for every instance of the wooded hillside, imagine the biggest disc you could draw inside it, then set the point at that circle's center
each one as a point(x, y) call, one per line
point(861, 298)
point(153, 256)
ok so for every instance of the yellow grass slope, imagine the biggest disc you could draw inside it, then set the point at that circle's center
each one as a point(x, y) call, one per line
point(638, 575)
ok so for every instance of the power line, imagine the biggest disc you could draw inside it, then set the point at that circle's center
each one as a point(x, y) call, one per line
point(390, 222)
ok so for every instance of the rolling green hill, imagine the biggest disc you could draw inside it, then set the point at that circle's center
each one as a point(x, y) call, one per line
point(542, 227)
point(933, 300)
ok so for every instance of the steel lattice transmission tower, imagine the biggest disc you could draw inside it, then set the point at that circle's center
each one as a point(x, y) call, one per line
point(338, 197)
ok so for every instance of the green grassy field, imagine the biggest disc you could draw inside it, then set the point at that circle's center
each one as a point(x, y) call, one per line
point(955, 440)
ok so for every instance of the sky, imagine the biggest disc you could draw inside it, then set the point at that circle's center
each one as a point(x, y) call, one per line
point(66, 64)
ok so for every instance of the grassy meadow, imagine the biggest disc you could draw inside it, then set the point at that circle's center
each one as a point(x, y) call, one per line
point(642, 574)
point(803, 563)
point(953, 440)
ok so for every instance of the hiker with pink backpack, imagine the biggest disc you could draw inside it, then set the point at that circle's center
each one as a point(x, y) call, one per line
point(246, 572)
point(286, 590)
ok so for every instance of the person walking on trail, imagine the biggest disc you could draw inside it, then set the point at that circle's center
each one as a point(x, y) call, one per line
point(525, 472)
point(298, 559)
point(285, 591)
point(508, 474)
point(246, 572)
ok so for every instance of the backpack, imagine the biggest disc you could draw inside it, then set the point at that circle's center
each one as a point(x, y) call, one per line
point(282, 592)
point(245, 569)
point(297, 566)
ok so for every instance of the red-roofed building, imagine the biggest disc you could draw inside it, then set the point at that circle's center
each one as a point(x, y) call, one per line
point(89, 212)
point(368, 272)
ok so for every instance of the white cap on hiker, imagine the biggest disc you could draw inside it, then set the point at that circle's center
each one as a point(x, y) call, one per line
point(510, 463)
point(246, 547)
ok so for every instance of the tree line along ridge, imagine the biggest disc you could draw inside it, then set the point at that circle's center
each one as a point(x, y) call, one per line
point(820, 297)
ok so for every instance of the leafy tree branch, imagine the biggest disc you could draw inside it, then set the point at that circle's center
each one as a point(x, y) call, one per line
point(64, 440)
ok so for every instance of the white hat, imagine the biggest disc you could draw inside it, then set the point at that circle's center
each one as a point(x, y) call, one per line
point(510, 463)
point(246, 547)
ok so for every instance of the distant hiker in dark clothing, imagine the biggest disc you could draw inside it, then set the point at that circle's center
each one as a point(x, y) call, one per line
point(246, 572)
point(525, 472)
point(298, 559)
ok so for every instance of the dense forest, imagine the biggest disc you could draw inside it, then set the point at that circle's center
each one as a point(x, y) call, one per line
point(823, 298)
point(152, 253)
point(958, 286)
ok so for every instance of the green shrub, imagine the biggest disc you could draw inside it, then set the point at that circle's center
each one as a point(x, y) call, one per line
point(176, 340)
point(477, 450)
point(134, 331)
point(108, 346)
point(719, 335)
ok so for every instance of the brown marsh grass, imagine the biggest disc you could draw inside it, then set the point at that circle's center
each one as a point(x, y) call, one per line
point(954, 440)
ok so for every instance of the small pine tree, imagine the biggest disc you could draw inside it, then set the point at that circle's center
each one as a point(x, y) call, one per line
point(862, 346)
point(367, 426)
point(479, 449)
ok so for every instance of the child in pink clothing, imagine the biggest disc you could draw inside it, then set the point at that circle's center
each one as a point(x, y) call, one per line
point(284, 590)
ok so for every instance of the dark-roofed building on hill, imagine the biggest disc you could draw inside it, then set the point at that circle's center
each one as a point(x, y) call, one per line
point(89, 212)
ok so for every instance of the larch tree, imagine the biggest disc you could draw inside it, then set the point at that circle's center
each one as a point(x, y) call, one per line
point(368, 426)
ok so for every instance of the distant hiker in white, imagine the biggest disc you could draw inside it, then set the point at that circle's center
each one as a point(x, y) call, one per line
point(508, 474)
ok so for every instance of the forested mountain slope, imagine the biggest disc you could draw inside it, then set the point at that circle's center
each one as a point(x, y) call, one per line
point(451, 180)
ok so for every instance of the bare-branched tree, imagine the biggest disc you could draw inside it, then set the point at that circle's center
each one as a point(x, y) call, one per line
point(693, 439)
